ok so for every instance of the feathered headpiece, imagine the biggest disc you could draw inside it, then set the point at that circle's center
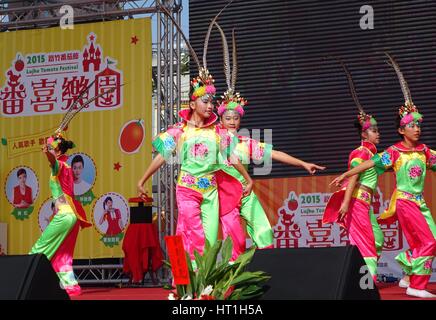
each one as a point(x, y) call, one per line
point(409, 112)
point(203, 84)
point(231, 100)
point(366, 121)
point(55, 139)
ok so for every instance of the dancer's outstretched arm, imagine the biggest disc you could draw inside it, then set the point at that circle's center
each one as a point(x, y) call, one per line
point(360, 168)
point(155, 164)
point(288, 159)
point(50, 157)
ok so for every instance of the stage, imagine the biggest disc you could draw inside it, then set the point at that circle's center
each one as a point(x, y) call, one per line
point(387, 292)
point(99, 293)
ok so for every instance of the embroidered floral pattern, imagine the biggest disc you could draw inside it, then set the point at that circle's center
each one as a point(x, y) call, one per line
point(203, 184)
point(386, 159)
point(365, 196)
point(412, 197)
point(199, 150)
point(258, 152)
point(188, 179)
point(415, 172)
point(427, 264)
point(213, 181)
point(225, 141)
point(408, 195)
point(169, 143)
point(432, 160)
point(362, 195)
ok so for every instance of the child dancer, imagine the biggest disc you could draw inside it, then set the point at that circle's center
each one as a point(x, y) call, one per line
point(351, 206)
point(58, 240)
point(231, 110)
point(201, 150)
point(409, 159)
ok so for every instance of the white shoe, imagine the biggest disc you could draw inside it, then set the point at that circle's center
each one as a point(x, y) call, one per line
point(419, 293)
point(403, 283)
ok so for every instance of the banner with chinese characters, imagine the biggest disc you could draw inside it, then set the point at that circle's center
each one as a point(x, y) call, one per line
point(295, 207)
point(42, 73)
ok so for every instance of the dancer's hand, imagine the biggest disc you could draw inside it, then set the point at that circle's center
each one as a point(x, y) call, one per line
point(143, 194)
point(44, 149)
point(343, 210)
point(338, 181)
point(248, 187)
point(311, 167)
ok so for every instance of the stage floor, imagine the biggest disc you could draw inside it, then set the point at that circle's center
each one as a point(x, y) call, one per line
point(394, 292)
point(387, 292)
point(123, 294)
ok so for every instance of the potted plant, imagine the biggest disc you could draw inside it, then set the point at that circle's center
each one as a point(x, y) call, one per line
point(215, 277)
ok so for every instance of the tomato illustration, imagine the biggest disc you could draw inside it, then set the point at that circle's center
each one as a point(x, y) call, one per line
point(19, 65)
point(292, 204)
point(131, 136)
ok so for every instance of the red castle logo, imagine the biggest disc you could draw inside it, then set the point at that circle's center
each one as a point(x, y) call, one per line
point(91, 56)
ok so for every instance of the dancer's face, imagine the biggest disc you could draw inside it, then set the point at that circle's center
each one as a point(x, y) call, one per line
point(231, 120)
point(56, 152)
point(411, 131)
point(372, 135)
point(202, 106)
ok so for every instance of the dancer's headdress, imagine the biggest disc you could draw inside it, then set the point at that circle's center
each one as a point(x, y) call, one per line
point(203, 84)
point(56, 138)
point(366, 120)
point(231, 100)
point(408, 112)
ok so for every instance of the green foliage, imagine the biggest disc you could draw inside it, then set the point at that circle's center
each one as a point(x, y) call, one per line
point(220, 279)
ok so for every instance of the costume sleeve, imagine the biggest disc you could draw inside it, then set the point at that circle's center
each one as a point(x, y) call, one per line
point(166, 142)
point(431, 161)
point(384, 160)
point(260, 151)
point(357, 157)
point(57, 168)
point(226, 142)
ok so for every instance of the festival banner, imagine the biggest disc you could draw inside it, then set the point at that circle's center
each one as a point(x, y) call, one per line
point(295, 207)
point(42, 72)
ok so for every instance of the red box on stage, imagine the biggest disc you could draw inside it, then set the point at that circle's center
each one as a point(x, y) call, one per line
point(141, 243)
point(143, 212)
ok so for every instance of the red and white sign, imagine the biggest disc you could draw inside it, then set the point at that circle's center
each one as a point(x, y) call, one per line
point(49, 82)
point(300, 225)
